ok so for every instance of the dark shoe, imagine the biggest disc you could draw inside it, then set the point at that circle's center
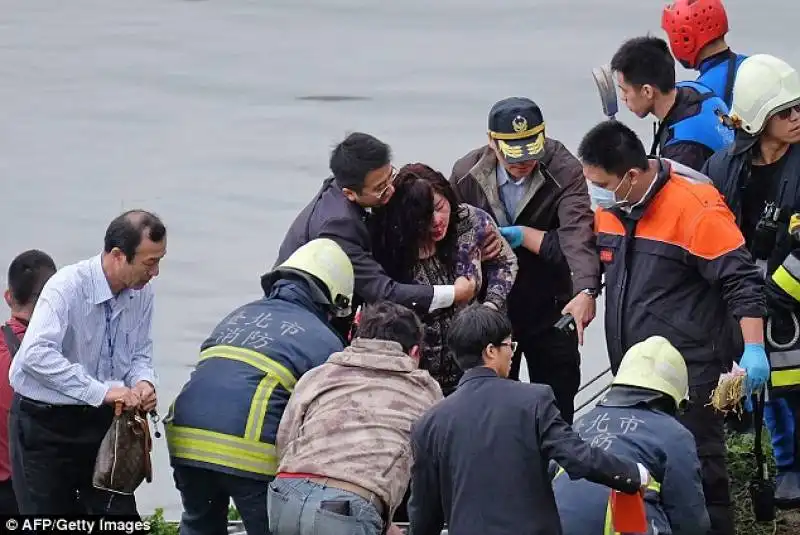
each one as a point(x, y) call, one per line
point(787, 490)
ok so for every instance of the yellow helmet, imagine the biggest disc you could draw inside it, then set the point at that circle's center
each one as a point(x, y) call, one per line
point(655, 364)
point(326, 261)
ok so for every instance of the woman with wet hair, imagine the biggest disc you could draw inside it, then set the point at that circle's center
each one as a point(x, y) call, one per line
point(423, 235)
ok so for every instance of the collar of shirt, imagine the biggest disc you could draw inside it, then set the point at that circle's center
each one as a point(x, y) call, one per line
point(503, 178)
point(101, 290)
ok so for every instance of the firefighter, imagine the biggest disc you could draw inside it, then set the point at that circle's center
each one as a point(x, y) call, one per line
point(696, 32)
point(636, 420)
point(760, 179)
point(221, 428)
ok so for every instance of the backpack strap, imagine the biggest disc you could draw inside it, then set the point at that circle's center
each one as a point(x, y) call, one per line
point(12, 340)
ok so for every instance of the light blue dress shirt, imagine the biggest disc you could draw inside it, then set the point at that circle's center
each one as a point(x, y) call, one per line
point(81, 338)
point(511, 191)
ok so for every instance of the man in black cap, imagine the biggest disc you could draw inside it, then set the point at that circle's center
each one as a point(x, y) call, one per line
point(535, 189)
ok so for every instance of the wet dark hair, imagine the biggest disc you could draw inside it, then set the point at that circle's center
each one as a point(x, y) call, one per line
point(357, 156)
point(27, 275)
point(389, 321)
point(646, 60)
point(614, 148)
point(404, 223)
point(472, 330)
point(126, 230)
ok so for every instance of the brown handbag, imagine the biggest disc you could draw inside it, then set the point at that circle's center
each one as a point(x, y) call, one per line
point(123, 460)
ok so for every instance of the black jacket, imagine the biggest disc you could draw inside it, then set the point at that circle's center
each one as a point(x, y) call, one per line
point(332, 215)
point(677, 266)
point(481, 460)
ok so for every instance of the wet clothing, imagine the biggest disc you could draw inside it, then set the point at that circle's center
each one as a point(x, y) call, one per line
point(692, 130)
point(363, 400)
point(658, 441)
point(226, 417)
point(718, 73)
point(481, 459)
point(677, 266)
point(498, 275)
point(555, 200)
point(332, 215)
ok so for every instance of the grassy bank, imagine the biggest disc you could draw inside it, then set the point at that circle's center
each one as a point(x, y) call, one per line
point(740, 466)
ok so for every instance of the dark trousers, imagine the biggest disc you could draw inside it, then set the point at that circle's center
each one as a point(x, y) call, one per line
point(206, 494)
point(53, 451)
point(8, 500)
point(708, 428)
point(553, 359)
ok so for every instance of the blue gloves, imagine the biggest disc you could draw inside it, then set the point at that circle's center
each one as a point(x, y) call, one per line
point(513, 236)
point(755, 363)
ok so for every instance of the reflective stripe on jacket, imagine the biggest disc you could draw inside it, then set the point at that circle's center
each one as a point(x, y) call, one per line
point(227, 415)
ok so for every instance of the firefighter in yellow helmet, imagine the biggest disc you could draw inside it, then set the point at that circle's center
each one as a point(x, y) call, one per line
point(760, 179)
point(221, 428)
point(636, 419)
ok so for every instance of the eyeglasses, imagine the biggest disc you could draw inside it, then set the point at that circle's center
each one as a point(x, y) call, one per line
point(512, 345)
point(392, 176)
point(785, 114)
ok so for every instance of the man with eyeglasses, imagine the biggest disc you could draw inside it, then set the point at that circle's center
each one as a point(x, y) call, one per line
point(494, 437)
point(759, 177)
point(362, 180)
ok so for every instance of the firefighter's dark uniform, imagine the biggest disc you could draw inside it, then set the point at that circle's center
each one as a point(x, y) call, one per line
point(676, 266)
point(674, 501)
point(221, 428)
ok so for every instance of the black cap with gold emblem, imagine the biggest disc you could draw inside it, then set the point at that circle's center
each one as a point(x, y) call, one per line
point(517, 127)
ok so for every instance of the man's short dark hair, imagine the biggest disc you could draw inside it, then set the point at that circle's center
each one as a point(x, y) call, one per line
point(126, 230)
point(27, 275)
point(646, 60)
point(472, 330)
point(614, 148)
point(355, 157)
point(389, 321)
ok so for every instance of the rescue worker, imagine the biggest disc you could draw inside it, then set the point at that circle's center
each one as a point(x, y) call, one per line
point(222, 426)
point(637, 419)
point(690, 127)
point(362, 180)
point(696, 32)
point(534, 189)
point(689, 278)
point(760, 179)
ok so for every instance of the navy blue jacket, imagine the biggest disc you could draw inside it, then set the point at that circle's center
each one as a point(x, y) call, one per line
point(481, 458)
point(235, 399)
point(332, 215)
point(664, 447)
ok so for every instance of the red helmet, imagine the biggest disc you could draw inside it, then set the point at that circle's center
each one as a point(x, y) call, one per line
point(691, 25)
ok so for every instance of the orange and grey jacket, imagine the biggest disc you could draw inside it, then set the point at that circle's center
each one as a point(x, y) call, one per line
point(676, 265)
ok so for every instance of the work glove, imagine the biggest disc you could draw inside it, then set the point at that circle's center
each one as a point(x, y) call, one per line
point(513, 236)
point(754, 362)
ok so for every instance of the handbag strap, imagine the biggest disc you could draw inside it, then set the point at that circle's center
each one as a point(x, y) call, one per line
point(12, 340)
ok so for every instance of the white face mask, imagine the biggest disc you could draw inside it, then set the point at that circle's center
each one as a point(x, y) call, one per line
point(605, 198)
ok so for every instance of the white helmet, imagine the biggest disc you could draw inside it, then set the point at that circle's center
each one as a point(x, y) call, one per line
point(764, 86)
point(326, 261)
point(655, 364)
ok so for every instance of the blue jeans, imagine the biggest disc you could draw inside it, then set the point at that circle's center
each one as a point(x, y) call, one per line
point(294, 509)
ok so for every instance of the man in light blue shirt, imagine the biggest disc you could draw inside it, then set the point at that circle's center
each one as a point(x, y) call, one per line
point(87, 346)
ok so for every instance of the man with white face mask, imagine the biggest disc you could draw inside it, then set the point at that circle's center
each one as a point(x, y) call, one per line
point(676, 266)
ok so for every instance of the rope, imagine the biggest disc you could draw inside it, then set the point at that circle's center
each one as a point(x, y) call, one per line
point(795, 336)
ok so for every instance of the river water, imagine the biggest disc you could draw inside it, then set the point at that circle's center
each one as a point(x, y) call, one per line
point(195, 109)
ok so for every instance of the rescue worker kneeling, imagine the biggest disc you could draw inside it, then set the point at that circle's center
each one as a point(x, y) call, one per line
point(221, 428)
point(636, 419)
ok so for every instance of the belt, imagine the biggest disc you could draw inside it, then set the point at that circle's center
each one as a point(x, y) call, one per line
point(368, 495)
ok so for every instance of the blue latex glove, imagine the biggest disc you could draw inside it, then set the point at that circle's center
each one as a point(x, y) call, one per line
point(755, 363)
point(513, 236)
